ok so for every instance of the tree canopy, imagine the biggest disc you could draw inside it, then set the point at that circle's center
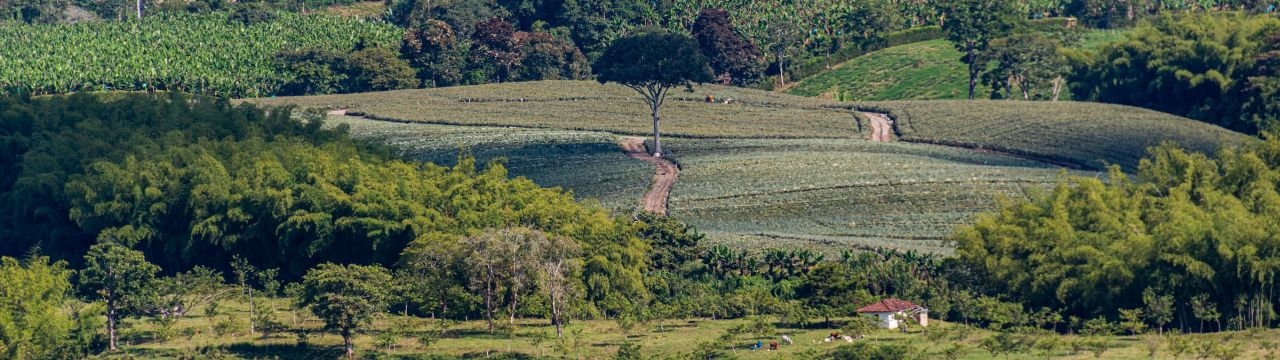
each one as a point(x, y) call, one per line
point(651, 63)
point(1218, 68)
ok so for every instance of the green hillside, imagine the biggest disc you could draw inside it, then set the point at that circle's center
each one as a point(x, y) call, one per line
point(926, 70)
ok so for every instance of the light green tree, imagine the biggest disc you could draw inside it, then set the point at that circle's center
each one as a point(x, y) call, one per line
point(347, 298)
point(123, 279)
point(32, 322)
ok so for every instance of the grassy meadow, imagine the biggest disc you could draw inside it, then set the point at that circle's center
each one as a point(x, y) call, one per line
point(225, 334)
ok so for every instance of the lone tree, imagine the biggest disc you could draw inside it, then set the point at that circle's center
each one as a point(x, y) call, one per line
point(123, 279)
point(346, 298)
point(971, 24)
point(651, 63)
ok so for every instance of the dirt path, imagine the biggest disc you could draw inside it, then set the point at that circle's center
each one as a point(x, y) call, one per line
point(881, 126)
point(337, 112)
point(655, 201)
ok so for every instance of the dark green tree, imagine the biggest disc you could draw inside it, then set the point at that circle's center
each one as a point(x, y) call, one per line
point(651, 63)
point(436, 51)
point(346, 297)
point(123, 279)
point(970, 25)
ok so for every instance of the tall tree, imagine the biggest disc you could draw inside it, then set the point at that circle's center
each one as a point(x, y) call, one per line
point(489, 257)
point(435, 49)
point(733, 58)
point(346, 297)
point(971, 24)
point(494, 46)
point(651, 63)
point(559, 262)
point(122, 278)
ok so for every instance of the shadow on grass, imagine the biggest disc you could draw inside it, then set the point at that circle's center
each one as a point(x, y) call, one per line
point(285, 352)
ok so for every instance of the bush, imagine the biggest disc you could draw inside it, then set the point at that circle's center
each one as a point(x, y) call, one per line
point(378, 69)
point(252, 13)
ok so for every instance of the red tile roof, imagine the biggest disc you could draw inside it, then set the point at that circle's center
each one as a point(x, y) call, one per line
point(890, 305)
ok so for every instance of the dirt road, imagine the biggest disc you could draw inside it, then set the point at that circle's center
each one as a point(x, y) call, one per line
point(881, 126)
point(655, 201)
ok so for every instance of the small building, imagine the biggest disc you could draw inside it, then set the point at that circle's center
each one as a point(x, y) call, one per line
point(892, 311)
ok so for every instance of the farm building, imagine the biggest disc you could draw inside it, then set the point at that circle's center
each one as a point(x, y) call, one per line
point(892, 311)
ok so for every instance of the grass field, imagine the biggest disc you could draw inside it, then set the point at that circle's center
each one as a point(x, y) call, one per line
point(1086, 135)
point(927, 70)
point(589, 163)
point(595, 339)
point(839, 194)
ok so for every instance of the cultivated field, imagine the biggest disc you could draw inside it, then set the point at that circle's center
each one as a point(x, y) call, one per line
point(599, 168)
point(582, 105)
point(824, 188)
point(837, 194)
point(1086, 135)
point(919, 71)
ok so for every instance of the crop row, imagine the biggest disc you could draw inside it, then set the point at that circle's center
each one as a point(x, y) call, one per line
point(591, 164)
point(207, 53)
point(842, 191)
point(589, 106)
point(1086, 135)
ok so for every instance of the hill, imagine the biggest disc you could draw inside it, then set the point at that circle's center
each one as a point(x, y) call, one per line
point(925, 70)
point(771, 169)
point(1074, 134)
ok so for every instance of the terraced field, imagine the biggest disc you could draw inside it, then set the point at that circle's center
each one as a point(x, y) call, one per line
point(833, 194)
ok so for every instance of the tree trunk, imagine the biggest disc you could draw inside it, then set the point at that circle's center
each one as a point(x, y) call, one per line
point(555, 316)
point(657, 138)
point(111, 325)
point(973, 69)
point(252, 312)
point(348, 343)
point(488, 305)
point(139, 9)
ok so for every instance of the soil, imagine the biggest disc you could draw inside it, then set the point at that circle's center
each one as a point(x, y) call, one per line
point(881, 126)
point(655, 201)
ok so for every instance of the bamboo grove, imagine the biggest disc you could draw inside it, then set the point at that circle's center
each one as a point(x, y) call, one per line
point(1198, 231)
point(207, 54)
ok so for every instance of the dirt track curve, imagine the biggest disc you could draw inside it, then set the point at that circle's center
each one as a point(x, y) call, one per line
point(655, 201)
point(881, 126)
